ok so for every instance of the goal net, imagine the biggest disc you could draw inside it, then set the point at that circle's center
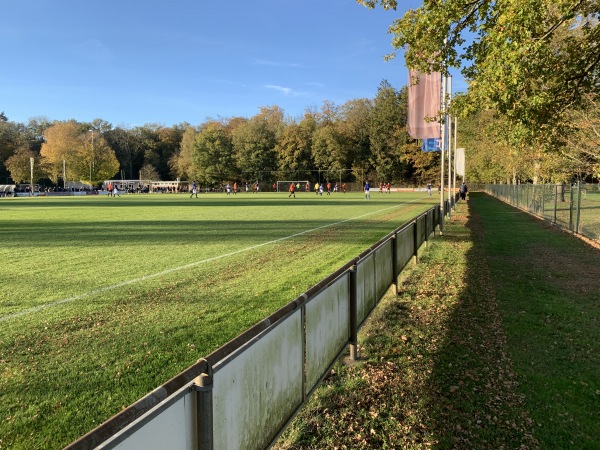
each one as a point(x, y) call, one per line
point(284, 186)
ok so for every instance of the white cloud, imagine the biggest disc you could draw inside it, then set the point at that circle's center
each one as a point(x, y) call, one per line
point(284, 90)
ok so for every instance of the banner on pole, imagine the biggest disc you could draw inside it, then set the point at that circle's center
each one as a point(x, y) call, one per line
point(459, 160)
point(424, 103)
point(432, 145)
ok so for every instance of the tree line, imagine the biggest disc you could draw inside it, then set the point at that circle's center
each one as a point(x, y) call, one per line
point(531, 113)
point(532, 109)
point(363, 138)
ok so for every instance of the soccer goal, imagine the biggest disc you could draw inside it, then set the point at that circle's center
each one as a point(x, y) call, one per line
point(284, 186)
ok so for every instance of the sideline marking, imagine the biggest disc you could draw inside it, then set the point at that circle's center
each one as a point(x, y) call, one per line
point(186, 266)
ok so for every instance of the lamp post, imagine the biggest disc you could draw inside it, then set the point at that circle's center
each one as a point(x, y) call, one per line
point(449, 116)
point(91, 158)
point(31, 161)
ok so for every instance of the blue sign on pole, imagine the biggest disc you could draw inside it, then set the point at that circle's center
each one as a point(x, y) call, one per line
point(432, 145)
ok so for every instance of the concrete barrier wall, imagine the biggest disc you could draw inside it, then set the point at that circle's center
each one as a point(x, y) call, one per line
point(384, 264)
point(327, 329)
point(169, 427)
point(430, 224)
point(405, 246)
point(421, 229)
point(365, 287)
point(258, 387)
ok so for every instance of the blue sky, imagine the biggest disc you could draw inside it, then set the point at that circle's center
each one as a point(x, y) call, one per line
point(133, 62)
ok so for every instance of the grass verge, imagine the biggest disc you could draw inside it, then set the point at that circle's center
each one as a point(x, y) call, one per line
point(493, 342)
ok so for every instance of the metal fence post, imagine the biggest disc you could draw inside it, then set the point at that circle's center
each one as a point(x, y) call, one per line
point(442, 217)
point(578, 206)
point(543, 200)
point(395, 264)
point(571, 210)
point(303, 328)
point(416, 242)
point(353, 314)
point(556, 198)
point(204, 410)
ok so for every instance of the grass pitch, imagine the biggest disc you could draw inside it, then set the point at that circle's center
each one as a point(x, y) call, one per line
point(103, 299)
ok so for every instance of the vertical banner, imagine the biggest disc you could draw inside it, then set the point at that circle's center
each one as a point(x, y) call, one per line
point(459, 160)
point(424, 101)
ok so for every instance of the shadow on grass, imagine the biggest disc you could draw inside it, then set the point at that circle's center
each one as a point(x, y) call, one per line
point(179, 219)
point(492, 342)
point(519, 366)
point(166, 232)
point(203, 200)
point(474, 395)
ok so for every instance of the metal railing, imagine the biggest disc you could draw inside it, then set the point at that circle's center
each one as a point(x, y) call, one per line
point(575, 207)
point(243, 395)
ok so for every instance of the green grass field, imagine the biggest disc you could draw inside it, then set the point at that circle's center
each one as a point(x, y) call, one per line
point(103, 299)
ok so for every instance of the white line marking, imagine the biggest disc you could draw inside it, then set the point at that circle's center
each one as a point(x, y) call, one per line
point(186, 266)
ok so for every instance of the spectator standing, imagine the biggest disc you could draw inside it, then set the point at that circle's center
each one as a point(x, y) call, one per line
point(463, 191)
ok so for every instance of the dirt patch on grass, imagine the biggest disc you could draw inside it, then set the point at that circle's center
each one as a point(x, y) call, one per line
point(564, 271)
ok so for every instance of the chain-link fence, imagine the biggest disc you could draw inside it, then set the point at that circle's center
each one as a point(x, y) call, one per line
point(575, 207)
